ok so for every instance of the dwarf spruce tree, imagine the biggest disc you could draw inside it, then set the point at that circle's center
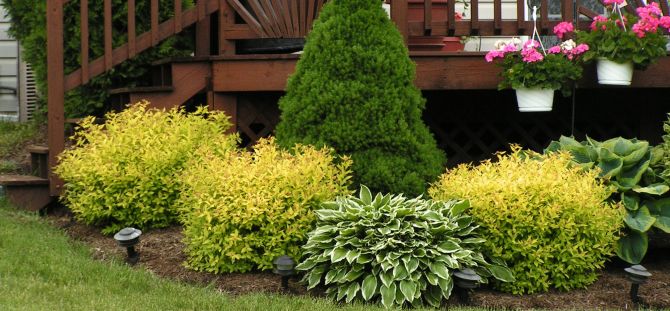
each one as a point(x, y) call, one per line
point(353, 90)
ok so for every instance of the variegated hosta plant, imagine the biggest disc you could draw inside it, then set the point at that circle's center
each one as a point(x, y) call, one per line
point(394, 249)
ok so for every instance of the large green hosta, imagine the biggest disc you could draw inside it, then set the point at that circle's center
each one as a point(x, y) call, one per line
point(393, 249)
point(627, 165)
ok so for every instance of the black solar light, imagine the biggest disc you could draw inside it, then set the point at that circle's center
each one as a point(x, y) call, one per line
point(128, 238)
point(466, 279)
point(637, 275)
point(283, 266)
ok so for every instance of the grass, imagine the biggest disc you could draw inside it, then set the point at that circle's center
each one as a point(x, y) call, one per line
point(41, 269)
point(12, 136)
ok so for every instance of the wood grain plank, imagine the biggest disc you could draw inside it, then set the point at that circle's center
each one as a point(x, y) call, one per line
point(108, 33)
point(154, 22)
point(56, 91)
point(177, 16)
point(474, 16)
point(248, 18)
point(428, 17)
point(83, 14)
point(132, 48)
point(497, 14)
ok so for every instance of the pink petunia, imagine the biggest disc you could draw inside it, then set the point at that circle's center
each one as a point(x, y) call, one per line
point(562, 28)
point(596, 20)
point(554, 50)
point(493, 54)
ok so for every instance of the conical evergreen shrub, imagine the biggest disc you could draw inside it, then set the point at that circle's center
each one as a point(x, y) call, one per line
point(353, 90)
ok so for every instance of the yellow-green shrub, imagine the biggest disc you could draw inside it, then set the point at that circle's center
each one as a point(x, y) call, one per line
point(546, 218)
point(242, 210)
point(123, 172)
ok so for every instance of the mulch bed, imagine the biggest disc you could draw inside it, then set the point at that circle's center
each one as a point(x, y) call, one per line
point(161, 253)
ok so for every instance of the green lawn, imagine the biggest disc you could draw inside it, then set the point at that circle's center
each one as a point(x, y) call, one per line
point(41, 269)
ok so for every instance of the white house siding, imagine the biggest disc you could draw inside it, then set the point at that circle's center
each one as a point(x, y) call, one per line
point(9, 72)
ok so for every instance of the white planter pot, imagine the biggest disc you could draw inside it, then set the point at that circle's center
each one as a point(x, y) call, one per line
point(531, 100)
point(613, 73)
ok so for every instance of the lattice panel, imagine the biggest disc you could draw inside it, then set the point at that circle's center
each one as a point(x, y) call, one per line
point(257, 116)
point(278, 18)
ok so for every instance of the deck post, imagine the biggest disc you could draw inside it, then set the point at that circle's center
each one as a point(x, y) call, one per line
point(399, 16)
point(226, 102)
point(226, 20)
point(56, 90)
point(202, 30)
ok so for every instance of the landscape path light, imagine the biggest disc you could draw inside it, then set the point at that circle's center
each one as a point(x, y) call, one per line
point(284, 266)
point(128, 238)
point(637, 275)
point(466, 279)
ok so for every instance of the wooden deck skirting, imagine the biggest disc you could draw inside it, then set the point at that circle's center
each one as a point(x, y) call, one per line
point(253, 19)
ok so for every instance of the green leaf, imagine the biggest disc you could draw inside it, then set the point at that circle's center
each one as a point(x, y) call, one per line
point(655, 189)
point(386, 277)
point(399, 272)
point(660, 209)
point(431, 277)
point(309, 263)
point(352, 290)
point(640, 220)
point(352, 255)
point(369, 287)
point(352, 275)
point(630, 202)
point(446, 285)
point(440, 270)
point(610, 164)
point(365, 195)
point(412, 264)
point(388, 295)
point(314, 279)
point(501, 273)
point(448, 247)
point(408, 288)
point(338, 254)
point(364, 258)
point(630, 177)
point(459, 207)
point(633, 247)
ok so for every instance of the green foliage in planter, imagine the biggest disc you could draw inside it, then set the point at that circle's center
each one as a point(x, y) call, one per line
point(627, 165)
point(546, 218)
point(555, 72)
point(353, 91)
point(28, 19)
point(242, 210)
point(124, 172)
point(402, 251)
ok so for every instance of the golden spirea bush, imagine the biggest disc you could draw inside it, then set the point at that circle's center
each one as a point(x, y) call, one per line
point(242, 210)
point(124, 172)
point(547, 219)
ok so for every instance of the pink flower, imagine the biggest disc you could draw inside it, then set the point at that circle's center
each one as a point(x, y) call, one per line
point(665, 22)
point(580, 49)
point(529, 52)
point(608, 2)
point(562, 28)
point(493, 54)
point(510, 47)
point(554, 50)
point(596, 20)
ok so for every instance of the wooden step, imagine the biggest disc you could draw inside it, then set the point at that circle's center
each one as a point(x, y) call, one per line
point(142, 89)
point(39, 160)
point(26, 191)
point(38, 149)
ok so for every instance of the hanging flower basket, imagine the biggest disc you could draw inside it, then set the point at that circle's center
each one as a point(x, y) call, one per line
point(534, 100)
point(613, 73)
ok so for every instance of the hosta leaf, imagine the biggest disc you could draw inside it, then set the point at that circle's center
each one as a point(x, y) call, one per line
point(412, 264)
point(388, 295)
point(369, 287)
point(352, 290)
point(365, 195)
point(459, 207)
point(330, 205)
point(352, 275)
point(408, 289)
point(330, 276)
point(309, 263)
point(352, 255)
point(631, 176)
point(342, 291)
point(633, 247)
point(630, 202)
point(328, 214)
point(386, 277)
point(610, 164)
point(474, 241)
point(399, 272)
point(314, 279)
point(640, 220)
point(338, 254)
point(448, 246)
point(364, 258)
point(440, 270)
point(446, 285)
point(501, 273)
point(431, 278)
point(660, 209)
point(655, 189)
point(462, 254)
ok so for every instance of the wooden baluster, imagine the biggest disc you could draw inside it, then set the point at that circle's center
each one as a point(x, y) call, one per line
point(177, 16)
point(202, 30)
point(520, 15)
point(568, 11)
point(294, 18)
point(226, 20)
point(108, 34)
point(428, 17)
point(56, 90)
point(283, 17)
point(83, 14)
point(303, 16)
point(497, 16)
point(399, 16)
point(451, 14)
point(544, 16)
point(310, 15)
point(154, 22)
point(474, 16)
point(132, 43)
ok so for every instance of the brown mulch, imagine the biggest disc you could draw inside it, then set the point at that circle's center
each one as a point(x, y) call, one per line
point(161, 253)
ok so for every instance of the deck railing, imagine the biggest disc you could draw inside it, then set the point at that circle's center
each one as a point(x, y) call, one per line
point(250, 19)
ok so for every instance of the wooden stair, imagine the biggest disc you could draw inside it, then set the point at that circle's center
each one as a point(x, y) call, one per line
point(30, 192)
point(175, 81)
